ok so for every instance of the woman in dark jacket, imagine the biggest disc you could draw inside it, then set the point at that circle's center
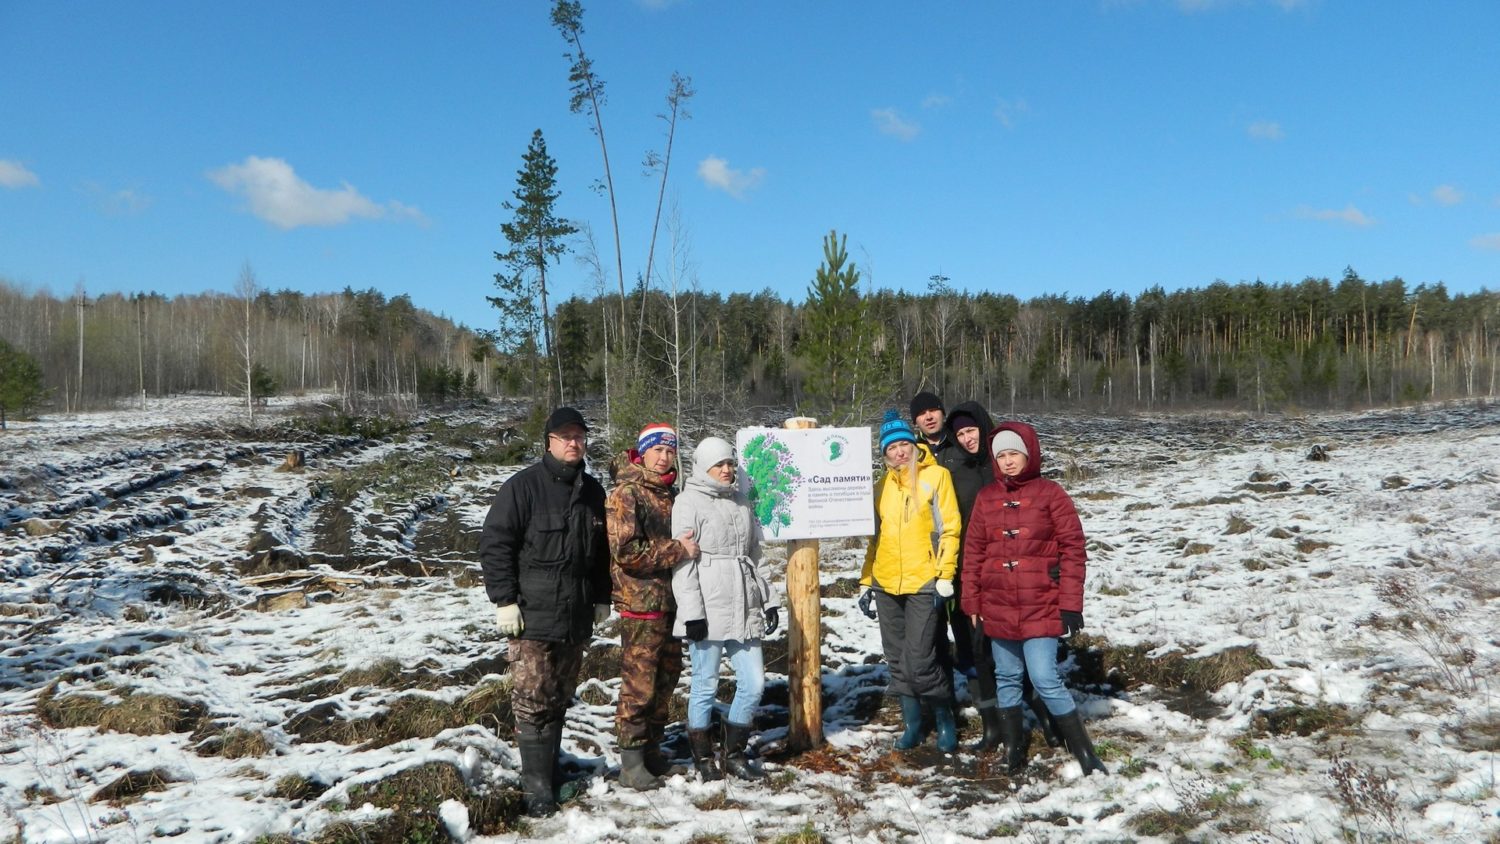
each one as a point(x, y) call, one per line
point(1024, 583)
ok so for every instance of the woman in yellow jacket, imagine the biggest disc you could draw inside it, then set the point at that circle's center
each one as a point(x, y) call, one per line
point(908, 578)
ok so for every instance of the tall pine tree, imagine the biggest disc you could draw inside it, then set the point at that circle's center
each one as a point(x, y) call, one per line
point(835, 340)
point(537, 238)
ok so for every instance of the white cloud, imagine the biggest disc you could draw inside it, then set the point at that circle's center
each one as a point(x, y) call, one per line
point(125, 202)
point(890, 122)
point(277, 195)
point(1447, 195)
point(14, 175)
point(1350, 215)
point(1265, 130)
point(1006, 111)
point(1487, 242)
point(1192, 6)
point(716, 173)
point(936, 101)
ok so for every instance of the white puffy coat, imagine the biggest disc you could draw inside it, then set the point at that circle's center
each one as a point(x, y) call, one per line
point(726, 584)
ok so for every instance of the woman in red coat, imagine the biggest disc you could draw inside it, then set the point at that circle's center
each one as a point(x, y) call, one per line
point(1023, 580)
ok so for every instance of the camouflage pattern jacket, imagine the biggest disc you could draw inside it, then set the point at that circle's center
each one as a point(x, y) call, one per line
point(642, 551)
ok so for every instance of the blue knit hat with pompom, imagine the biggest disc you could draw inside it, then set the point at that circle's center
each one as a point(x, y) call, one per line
point(893, 429)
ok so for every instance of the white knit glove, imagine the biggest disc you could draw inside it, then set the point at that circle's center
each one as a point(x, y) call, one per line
point(945, 588)
point(508, 619)
point(601, 613)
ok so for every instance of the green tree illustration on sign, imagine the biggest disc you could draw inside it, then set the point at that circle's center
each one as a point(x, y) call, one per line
point(835, 451)
point(773, 480)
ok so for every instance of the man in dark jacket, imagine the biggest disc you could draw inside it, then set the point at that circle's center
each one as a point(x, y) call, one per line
point(930, 418)
point(545, 559)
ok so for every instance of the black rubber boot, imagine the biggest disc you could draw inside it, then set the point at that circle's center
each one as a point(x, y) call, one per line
point(1016, 737)
point(1045, 720)
point(704, 758)
point(657, 763)
point(538, 756)
point(633, 772)
point(992, 738)
point(1070, 727)
point(553, 734)
point(736, 736)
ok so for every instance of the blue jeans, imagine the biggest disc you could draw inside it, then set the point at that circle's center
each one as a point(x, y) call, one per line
point(749, 681)
point(1037, 658)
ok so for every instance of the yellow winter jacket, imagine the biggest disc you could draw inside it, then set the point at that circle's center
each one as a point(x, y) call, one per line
point(916, 536)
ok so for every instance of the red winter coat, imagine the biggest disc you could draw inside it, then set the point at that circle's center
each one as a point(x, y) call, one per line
point(1019, 530)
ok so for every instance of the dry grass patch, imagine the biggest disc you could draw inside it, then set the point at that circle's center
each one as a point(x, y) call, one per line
point(846, 587)
point(600, 662)
point(1128, 667)
point(297, 788)
point(1481, 735)
point(387, 673)
point(1308, 546)
point(1199, 802)
point(1205, 502)
point(130, 786)
point(410, 716)
point(235, 743)
point(118, 711)
point(808, 834)
point(718, 801)
point(1303, 720)
point(41, 795)
point(1237, 524)
point(417, 792)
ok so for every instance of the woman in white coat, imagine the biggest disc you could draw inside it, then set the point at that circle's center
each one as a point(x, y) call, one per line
point(725, 605)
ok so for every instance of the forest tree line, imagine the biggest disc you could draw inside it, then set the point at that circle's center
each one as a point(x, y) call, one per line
point(97, 351)
point(1252, 346)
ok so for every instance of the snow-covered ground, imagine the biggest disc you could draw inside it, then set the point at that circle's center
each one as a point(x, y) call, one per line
point(1280, 649)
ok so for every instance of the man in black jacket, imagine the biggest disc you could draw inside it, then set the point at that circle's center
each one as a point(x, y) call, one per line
point(546, 568)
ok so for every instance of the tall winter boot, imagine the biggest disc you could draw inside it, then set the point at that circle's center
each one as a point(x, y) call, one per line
point(1045, 720)
point(633, 772)
point(537, 759)
point(736, 737)
point(657, 763)
point(989, 713)
point(947, 729)
point(911, 717)
point(704, 758)
point(1017, 739)
point(1070, 727)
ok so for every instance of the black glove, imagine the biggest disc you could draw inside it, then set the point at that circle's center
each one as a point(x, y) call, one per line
point(867, 603)
point(1072, 622)
point(773, 621)
point(697, 629)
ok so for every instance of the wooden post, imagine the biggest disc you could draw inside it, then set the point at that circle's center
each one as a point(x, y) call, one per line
point(804, 634)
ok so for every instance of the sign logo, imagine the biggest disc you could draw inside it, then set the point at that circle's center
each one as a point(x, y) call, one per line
point(835, 449)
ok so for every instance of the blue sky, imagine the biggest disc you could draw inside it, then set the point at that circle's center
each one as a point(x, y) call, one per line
point(1025, 148)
